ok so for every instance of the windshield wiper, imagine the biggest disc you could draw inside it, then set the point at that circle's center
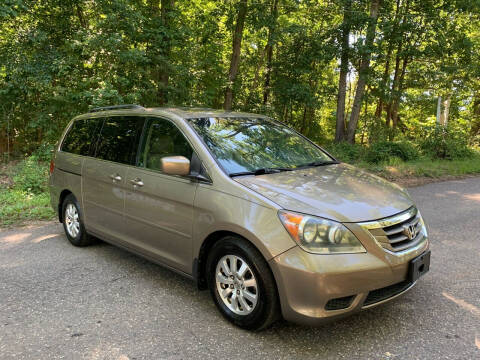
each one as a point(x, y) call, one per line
point(261, 171)
point(318, 163)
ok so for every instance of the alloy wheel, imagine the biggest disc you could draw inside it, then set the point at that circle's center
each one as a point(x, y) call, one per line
point(72, 221)
point(236, 284)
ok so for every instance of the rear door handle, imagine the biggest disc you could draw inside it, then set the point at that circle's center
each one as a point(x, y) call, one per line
point(136, 182)
point(116, 177)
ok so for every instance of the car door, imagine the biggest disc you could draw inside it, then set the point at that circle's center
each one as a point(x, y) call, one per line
point(104, 175)
point(159, 207)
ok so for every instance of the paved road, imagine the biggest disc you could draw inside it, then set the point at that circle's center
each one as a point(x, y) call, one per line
point(57, 301)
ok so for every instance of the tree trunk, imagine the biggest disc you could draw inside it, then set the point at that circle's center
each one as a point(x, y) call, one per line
point(439, 109)
point(342, 81)
point(162, 9)
point(268, 71)
point(397, 84)
point(167, 7)
point(362, 138)
point(236, 48)
point(5, 140)
point(269, 51)
point(445, 109)
point(475, 129)
point(379, 109)
point(476, 105)
point(396, 100)
point(386, 73)
point(363, 71)
point(396, 74)
point(81, 16)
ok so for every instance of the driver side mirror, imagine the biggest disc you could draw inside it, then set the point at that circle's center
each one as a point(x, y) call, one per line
point(176, 165)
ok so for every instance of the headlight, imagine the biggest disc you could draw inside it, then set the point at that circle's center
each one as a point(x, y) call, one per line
point(320, 236)
point(424, 226)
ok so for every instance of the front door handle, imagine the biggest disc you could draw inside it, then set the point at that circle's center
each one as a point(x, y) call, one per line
point(136, 182)
point(116, 177)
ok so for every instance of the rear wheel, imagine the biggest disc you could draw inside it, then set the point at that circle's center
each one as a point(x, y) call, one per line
point(73, 222)
point(241, 284)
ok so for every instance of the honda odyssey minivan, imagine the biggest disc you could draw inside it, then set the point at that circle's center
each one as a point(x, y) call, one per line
point(245, 206)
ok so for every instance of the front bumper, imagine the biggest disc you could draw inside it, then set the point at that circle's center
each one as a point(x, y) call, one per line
point(308, 282)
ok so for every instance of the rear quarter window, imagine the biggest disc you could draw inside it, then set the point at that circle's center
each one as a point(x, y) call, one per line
point(82, 136)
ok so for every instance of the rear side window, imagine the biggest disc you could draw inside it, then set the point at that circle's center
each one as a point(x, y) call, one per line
point(119, 139)
point(82, 136)
point(162, 138)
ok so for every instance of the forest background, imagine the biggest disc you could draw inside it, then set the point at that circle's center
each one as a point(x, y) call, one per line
point(390, 85)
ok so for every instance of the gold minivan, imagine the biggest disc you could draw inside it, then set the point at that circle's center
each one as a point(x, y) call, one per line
point(245, 206)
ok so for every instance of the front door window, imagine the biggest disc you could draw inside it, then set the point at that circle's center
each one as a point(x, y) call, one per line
point(162, 138)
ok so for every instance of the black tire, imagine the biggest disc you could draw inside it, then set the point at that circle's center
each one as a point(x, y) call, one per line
point(267, 309)
point(82, 238)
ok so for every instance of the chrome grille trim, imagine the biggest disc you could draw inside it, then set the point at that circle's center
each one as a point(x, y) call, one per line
point(391, 220)
point(394, 229)
point(390, 232)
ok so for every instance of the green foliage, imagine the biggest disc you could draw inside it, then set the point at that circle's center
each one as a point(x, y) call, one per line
point(43, 152)
point(31, 176)
point(17, 206)
point(58, 58)
point(24, 192)
point(349, 153)
point(10, 8)
point(384, 151)
point(445, 143)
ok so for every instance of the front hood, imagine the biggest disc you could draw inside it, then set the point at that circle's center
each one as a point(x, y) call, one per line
point(338, 192)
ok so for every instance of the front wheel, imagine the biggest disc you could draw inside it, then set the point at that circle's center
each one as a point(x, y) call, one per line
point(73, 222)
point(241, 284)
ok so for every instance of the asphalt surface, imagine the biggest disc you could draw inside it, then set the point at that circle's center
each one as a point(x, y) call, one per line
point(58, 301)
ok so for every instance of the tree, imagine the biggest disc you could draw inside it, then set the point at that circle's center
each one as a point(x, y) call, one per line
point(160, 45)
point(269, 50)
point(307, 63)
point(236, 48)
point(342, 80)
point(363, 71)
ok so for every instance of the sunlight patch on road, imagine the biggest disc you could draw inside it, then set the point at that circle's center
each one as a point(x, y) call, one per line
point(462, 303)
point(477, 341)
point(15, 238)
point(473, 197)
point(44, 237)
point(107, 352)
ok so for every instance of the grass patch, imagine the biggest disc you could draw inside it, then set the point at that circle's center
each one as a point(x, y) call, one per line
point(425, 168)
point(402, 161)
point(24, 192)
point(17, 207)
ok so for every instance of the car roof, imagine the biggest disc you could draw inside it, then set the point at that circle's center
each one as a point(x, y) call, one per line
point(182, 112)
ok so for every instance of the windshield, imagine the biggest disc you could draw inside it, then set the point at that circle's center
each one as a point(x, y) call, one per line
point(249, 144)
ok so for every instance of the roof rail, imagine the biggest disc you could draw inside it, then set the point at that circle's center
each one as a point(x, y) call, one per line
point(116, 107)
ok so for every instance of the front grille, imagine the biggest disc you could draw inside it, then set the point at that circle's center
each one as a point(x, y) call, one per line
point(399, 232)
point(339, 303)
point(378, 295)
